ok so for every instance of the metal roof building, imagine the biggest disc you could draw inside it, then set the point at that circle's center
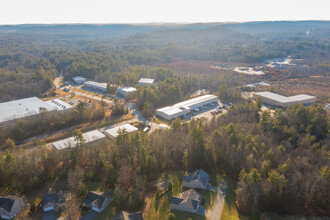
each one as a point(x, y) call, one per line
point(113, 132)
point(283, 101)
point(124, 91)
point(182, 108)
point(22, 108)
point(146, 81)
point(79, 79)
point(96, 85)
point(89, 137)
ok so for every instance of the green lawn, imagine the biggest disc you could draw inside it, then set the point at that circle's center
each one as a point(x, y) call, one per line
point(229, 210)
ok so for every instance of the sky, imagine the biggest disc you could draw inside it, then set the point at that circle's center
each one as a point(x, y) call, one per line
point(159, 11)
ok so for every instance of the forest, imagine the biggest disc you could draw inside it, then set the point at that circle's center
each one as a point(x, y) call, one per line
point(278, 160)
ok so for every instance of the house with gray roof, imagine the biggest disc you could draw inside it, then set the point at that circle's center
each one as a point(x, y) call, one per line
point(52, 200)
point(98, 201)
point(128, 216)
point(10, 206)
point(196, 180)
point(187, 201)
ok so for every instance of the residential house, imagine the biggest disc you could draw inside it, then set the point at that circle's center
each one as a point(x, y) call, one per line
point(128, 216)
point(187, 201)
point(197, 180)
point(52, 201)
point(98, 201)
point(10, 206)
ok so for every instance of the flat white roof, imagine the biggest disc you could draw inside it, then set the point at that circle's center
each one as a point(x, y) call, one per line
point(181, 106)
point(59, 104)
point(127, 89)
point(97, 84)
point(127, 127)
point(22, 108)
point(284, 99)
point(302, 97)
point(274, 96)
point(70, 142)
point(78, 78)
point(146, 80)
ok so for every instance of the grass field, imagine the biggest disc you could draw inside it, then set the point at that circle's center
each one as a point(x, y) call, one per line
point(229, 210)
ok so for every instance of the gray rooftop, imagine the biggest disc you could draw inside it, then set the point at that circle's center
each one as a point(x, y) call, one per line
point(284, 99)
point(22, 108)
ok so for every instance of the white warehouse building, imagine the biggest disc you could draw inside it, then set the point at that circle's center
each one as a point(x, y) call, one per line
point(113, 133)
point(183, 108)
point(79, 79)
point(283, 101)
point(28, 108)
point(124, 91)
point(91, 137)
point(146, 82)
point(96, 86)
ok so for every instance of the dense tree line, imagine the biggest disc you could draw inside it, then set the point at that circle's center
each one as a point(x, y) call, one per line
point(28, 63)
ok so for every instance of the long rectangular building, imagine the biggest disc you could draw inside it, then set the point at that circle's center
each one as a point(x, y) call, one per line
point(96, 86)
point(283, 101)
point(90, 137)
point(183, 108)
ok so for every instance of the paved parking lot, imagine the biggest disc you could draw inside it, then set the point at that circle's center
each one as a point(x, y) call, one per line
point(205, 113)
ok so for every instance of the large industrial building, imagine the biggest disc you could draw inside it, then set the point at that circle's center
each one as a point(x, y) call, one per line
point(91, 137)
point(114, 132)
point(183, 108)
point(124, 91)
point(102, 87)
point(11, 111)
point(79, 79)
point(283, 101)
point(146, 82)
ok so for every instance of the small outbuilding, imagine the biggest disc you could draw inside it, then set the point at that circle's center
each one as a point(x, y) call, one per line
point(125, 91)
point(146, 82)
point(79, 79)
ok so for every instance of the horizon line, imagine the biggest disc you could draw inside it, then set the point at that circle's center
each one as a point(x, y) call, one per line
point(152, 23)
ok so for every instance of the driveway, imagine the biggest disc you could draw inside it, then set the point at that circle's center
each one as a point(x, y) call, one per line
point(216, 212)
point(90, 215)
point(50, 215)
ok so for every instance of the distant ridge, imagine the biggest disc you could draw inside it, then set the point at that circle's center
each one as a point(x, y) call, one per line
point(121, 30)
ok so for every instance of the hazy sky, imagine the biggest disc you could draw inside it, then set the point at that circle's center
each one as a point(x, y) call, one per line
point(144, 11)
